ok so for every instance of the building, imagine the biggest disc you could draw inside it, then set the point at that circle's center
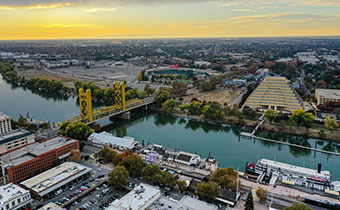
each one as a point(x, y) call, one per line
point(211, 164)
point(274, 93)
point(327, 95)
point(13, 197)
point(35, 158)
point(139, 198)
point(186, 202)
point(15, 139)
point(46, 184)
point(51, 206)
point(107, 139)
point(5, 124)
point(188, 158)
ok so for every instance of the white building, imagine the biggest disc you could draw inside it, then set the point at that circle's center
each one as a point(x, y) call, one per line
point(186, 203)
point(14, 197)
point(188, 158)
point(107, 139)
point(211, 164)
point(5, 124)
point(139, 198)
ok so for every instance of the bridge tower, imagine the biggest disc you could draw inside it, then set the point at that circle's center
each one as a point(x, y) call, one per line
point(120, 94)
point(85, 101)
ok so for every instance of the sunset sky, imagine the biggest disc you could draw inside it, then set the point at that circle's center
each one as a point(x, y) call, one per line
point(73, 19)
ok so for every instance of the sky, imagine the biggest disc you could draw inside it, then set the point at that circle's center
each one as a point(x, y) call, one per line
point(117, 19)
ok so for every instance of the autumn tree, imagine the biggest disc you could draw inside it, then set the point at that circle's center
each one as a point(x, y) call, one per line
point(331, 123)
point(207, 191)
point(262, 194)
point(79, 131)
point(179, 89)
point(118, 177)
point(109, 155)
point(225, 177)
point(169, 105)
point(74, 155)
point(134, 164)
point(161, 96)
point(182, 185)
point(301, 118)
point(321, 84)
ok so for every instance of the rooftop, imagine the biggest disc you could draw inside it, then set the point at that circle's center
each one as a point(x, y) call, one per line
point(55, 177)
point(186, 203)
point(3, 116)
point(108, 138)
point(329, 93)
point(34, 150)
point(13, 135)
point(9, 191)
point(137, 198)
point(51, 206)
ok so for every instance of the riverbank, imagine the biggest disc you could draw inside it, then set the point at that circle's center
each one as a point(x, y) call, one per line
point(283, 129)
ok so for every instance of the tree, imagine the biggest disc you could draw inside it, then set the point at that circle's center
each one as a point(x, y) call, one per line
point(249, 113)
point(249, 205)
point(74, 155)
point(182, 185)
point(109, 155)
point(302, 118)
point(262, 194)
point(161, 96)
point(79, 131)
point(134, 164)
point(195, 108)
point(179, 89)
point(225, 177)
point(213, 111)
point(148, 171)
point(118, 177)
point(296, 206)
point(169, 105)
point(168, 180)
point(270, 115)
point(331, 123)
point(321, 84)
point(207, 191)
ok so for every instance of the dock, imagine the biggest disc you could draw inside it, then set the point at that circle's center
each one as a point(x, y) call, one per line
point(250, 135)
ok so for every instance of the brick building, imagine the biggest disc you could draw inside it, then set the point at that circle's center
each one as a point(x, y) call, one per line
point(33, 159)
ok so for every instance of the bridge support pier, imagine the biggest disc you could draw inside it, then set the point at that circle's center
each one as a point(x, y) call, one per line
point(96, 127)
point(123, 116)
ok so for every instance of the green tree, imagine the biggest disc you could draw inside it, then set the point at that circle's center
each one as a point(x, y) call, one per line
point(148, 171)
point(109, 155)
point(321, 84)
point(74, 155)
point(179, 89)
point(195, 108)
point(160, 97)
point(134, 164)
point(79, 131)
point(207, 191)
point(225, 177)
point(182, 185)
point(270, 115)
point(118, 177)
point(249, 205)
point(302, 118)
point(296, 206)
point(331, 123)
point(157, 178)
point(168, 180)
point(169, 105)
point(262, 194)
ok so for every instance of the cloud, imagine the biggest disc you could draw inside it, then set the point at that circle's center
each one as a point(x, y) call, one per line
point(242, 10)
point(65, 26)
point(100, 10)
point(38, 6)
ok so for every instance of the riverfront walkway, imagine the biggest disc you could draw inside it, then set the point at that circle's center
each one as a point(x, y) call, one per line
point(250, 135)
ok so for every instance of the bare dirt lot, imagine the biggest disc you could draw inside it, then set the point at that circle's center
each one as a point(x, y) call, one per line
point(221, 96)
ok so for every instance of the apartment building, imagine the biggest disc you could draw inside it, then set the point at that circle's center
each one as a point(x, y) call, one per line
point(327, 95)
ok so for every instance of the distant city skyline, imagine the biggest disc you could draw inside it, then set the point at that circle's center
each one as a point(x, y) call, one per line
point(110, 19)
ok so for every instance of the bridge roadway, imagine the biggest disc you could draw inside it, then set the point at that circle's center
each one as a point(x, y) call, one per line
point(250, 135)
point(106, 112)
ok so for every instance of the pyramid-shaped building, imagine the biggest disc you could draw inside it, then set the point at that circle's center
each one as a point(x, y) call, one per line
point(274, 93)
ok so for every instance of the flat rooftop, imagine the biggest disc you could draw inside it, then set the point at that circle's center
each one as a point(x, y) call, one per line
point(108, 138)
point(32, 151)
point(13, 135)
point(3, 116)
point(9, 191)
point(186, 203)
point(293, 168)
point(55, 177)
point(329, 93)
point(137, 198)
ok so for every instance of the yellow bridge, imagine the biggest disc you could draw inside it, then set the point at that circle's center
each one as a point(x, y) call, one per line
point(88, 116)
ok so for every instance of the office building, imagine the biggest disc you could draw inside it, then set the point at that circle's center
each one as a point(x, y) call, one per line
point(107, 139)
point(13, 197)
point(139, 198)
point(5, 124)
point(15, 139)
point(186, 203)
point(274, 93)
point(35, 158)
point(327, 95)
point(46, 184)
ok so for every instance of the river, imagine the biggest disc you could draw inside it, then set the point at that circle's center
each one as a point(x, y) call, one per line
point(222, 141)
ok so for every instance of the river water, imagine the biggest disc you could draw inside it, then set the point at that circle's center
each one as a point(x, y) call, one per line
point(222, 141)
